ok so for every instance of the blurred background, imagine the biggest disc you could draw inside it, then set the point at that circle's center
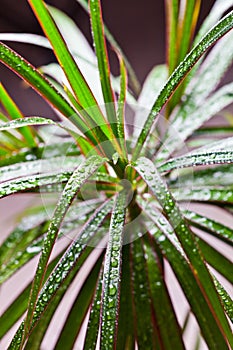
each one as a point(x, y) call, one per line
point(138, 26)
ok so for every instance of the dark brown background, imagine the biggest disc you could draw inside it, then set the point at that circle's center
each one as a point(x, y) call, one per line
point(137, 25)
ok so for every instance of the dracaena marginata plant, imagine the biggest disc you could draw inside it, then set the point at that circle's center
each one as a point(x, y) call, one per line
point(120, 200)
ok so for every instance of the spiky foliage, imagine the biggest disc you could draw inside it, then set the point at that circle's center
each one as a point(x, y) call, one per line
point(123, 191)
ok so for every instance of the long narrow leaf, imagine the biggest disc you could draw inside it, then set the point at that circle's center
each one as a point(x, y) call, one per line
point(30, 183)
point(191, 118)
point(111, 277)
point(125, 336)
point(172, 8)
point(74, 319)
point(121, 106)
point(20, 123)
point(215, 228)
point(187, 23)
point(79, 86)
point(208, 194)
point(64, 271)
point(94, 318)
point(188, 16)
point(56, 149)
point(169, 332)
point(26, 231)
point(151, 176)
point(82, 142)
point(195, 158)
point(79, 309)
point(217, 260)
point(15, 113)
point(36, 336)
point(19, 305)
point(43, 166)
point(226, 299)
point(188, 282)
point(146, 328)
point(211, 130)
point(22, 255)
point(219, 8)
point(38, 82)
point(133, 78)
point(214, 176)
point(87, 65)
point(78, 178)
point(103, 61)
point(220, 29)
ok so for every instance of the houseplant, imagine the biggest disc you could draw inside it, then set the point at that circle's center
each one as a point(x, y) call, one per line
point(121, 197)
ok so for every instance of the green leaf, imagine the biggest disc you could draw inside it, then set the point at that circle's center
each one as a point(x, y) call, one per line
point(147, 333)
point(94, 318)
point(25, 252)
point(103, 61)
point(121, 106)
point(79, 177)
point(217, 260)
point(19, 305)
point(38, 332)
point(186, 27)
point(48, 183)
point(219, 8)
point(86, 59)
point(220, 29)
point(67, 268)
point(111, 277)
point(38, 82)
point(169, 332)
point(30, 183)
point(125, 335)
point(21, 122)
point(72, 35)
point(10, 142)
point(187, 279)
point(133, 78)
point(190, 118)
point(214, 176)
point(82, 142)
point(150, 175)
point(213, 227)
point(74, 39)
point(207, 157)
point(208, 194)
point(187, 20)
point(27, 246)
point(78, 311)
point(226, 299)
point(211, 130)
point(81, 51)
point(54, 149)
point(172, 9)
point(43, 166)
point(206, 80)
point(79, 86)
point(212, 65)
point(27, 230)
point(15, 113)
